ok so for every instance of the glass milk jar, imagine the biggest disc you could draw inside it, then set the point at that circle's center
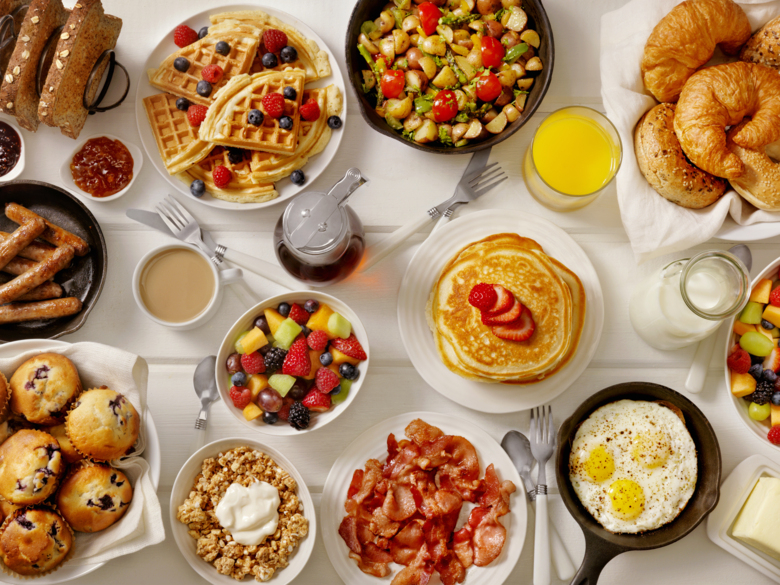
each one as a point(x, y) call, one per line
point(686, 300)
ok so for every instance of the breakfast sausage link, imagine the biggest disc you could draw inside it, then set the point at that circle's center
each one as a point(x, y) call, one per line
point(42, 272)
point(19, 312)
point(20, 239)
point(19, 266)
point(34, 251)
point(47, 290)
point(53, 234)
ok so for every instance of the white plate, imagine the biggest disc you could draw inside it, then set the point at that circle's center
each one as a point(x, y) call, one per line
point(733, 494)
point(187, 544)
point(422, 273)
point(285, 187)
point(731, 231)
point(373, 444)
point(67, 571)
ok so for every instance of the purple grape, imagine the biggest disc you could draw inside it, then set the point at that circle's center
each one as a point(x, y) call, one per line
point(270, 400)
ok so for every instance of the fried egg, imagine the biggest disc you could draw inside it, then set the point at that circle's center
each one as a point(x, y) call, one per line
point(633, 465)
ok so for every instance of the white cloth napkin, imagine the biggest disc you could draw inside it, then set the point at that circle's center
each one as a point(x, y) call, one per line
point(654, 225)
point(142, 525)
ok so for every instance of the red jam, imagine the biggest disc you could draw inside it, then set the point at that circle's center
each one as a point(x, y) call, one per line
point(102, 167)
point(10, 148)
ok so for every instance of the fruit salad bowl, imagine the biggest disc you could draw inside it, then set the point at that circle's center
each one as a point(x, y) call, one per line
point(758, 321)
point(262, 372)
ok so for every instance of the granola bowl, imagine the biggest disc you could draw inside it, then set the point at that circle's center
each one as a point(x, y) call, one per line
point(256, 562)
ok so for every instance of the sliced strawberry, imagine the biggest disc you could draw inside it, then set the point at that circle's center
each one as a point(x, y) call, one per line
point(771, 362)
point(297, 361)
point(504, 318)
point(317, 401)
point(298, 315)
point(350, 347)
point(519, 330)
point(503, 302)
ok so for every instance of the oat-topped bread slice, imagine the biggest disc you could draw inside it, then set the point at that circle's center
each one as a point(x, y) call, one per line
point(18, 94)
point(87, 33)
point(12, 7)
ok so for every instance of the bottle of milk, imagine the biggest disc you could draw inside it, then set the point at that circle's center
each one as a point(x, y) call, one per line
point(685, 301)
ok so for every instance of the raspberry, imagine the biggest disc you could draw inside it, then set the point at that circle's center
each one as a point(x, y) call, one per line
point(350, 347)
point(253, 363)
point(774, 435)
point(298, 315)
point(212, 73)
point(739, 361)
point(774, 297)
point(221, 176)
point(325, 380)
point(483, 296)
point(184, 35)
point(274, 40)
point(310, 111)
point(273, 104)
point(241, 396)
point(317, 340)
point(297, 362)
point(196, 114)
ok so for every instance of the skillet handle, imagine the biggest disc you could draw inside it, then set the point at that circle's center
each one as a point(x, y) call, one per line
point(597, 554)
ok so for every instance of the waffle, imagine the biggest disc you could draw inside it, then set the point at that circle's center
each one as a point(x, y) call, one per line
point(243, 40)
point(226, 120)
point(176, 139)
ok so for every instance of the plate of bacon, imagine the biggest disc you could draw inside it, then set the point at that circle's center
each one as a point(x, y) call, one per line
point(426, 504)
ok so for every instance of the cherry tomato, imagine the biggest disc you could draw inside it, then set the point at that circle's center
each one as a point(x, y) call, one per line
point(445, 105)
point(492, 52)
point(429, 17)
point(488, 87)
point(393, 83)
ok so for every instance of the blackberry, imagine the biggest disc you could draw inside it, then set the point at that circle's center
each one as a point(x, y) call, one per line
point(274, 359)
point(762, 394)
point(299, 416)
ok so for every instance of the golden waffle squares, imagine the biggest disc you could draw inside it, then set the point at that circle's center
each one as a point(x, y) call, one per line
point(176, 139)
point(227, 121)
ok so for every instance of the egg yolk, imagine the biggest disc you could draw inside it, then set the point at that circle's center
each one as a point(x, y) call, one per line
point(651, 450)
point(628, 498)
point(600, 465)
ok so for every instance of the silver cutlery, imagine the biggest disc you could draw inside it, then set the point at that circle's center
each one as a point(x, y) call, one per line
point(542, 435)
point(518, 448)
point(447, 215)
point(206, 389)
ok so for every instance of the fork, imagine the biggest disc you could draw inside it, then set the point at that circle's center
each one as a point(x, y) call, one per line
point(542, 435)
point(186, 228)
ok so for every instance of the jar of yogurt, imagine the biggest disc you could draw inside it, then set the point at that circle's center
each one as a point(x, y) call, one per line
point(686, 300)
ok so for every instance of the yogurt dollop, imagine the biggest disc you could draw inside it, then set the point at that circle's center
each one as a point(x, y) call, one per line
point(249, 514)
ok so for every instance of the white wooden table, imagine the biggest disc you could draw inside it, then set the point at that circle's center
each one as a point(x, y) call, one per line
point(404, 181)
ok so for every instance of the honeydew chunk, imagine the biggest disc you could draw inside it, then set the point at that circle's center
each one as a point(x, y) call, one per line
point(341, 396)
point(286, 333)
point(239, 345)
point(281, 383)
point(742, 384)
point(254, 340)
point(761, 291)
point(338, 326)
point(751, 314)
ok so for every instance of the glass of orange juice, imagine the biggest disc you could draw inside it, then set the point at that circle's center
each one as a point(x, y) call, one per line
point(576, 152)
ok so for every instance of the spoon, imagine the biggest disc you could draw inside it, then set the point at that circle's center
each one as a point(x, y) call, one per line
point(206, 389)
point(701, 359)
point(518, 448)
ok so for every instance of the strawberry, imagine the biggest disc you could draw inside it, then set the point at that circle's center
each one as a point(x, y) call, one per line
point(350, 347)
point(241, 396)
point(212, 73)
point(774, 297)
point(196, 114)
point(310, 111)
point(510, 316)
point(184, 35)
point(298, 315)
point(297, 362)
point(317, 401)
point(771, 362)
point(221, 176)
point(317, 340)
point(483, 296)
point(273, 104)
point(504, 300)
point(519, 330)
point(274, 40)
point(253, 363)
point(774, 435)
point(326, 380)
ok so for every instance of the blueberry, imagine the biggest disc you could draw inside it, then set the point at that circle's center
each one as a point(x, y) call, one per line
point(767, 325)
point(222, 48)
point(305, 330)
point(270, 418)
point(182, 104)
point(298, 391)
point(181, 64)
point(262, 324)
point(283, 309)
point(754, 359)
point(336, 390)
point(203, 88)
point(776, 399)
point(285, 123)
point(289, 93)
point(311, 306)
point(769, 376)
point(255, 117)
point(270, 61)
point(288, 54)
point(235, 155)
point(203, 32)
point(238, 379)
point(197, 188)
point(755, 371)
point(334, 122)
point(326, 359)
point(298, 177)
point(349, 371)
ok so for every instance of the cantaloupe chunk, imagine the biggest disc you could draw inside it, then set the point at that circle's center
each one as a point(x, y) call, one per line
point(256, 384)
point(319, 320)
point(274, 319)
point(340, 358)
point(742, 384)
point(772, 314)
point(314, 356)
point(254, 340)
point(252, 411)
point(741, 328)
point(766, 333)
point(774, 419)
point(761, 291)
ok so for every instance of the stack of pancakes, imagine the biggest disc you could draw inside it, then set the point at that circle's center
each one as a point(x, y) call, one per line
point(553, 293)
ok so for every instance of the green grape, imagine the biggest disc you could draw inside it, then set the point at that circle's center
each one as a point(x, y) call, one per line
point(759, 411)
point(756, 344)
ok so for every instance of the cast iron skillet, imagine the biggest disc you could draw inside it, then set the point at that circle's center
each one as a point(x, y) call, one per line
point(85, 276)
point(601, 546)
point(370, 9)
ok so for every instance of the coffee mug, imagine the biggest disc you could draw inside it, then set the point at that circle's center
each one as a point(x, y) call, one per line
point(221, 278)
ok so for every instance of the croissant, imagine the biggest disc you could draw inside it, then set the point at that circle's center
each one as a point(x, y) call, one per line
point(722, 96)
point(685, 39)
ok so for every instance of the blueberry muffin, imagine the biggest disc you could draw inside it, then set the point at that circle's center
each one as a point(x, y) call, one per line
point(102, 424)
point(34, 540)
point(6, 509)
point(5, 397)
point(94, 496)
point(43, 388)
point(68, 451)
point(31, 465)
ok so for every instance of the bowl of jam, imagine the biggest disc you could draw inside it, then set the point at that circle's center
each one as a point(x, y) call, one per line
point(102, 167)
point(11, 151)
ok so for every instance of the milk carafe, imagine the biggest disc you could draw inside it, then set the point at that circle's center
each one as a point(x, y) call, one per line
point(685, 301)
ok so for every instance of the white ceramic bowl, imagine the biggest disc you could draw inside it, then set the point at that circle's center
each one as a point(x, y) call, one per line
point(19, 167)
point(67, 177)
point(181, 489)
point(757, 428)
point(318, 420)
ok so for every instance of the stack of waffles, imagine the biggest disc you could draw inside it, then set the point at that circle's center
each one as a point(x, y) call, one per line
point(257, 155)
